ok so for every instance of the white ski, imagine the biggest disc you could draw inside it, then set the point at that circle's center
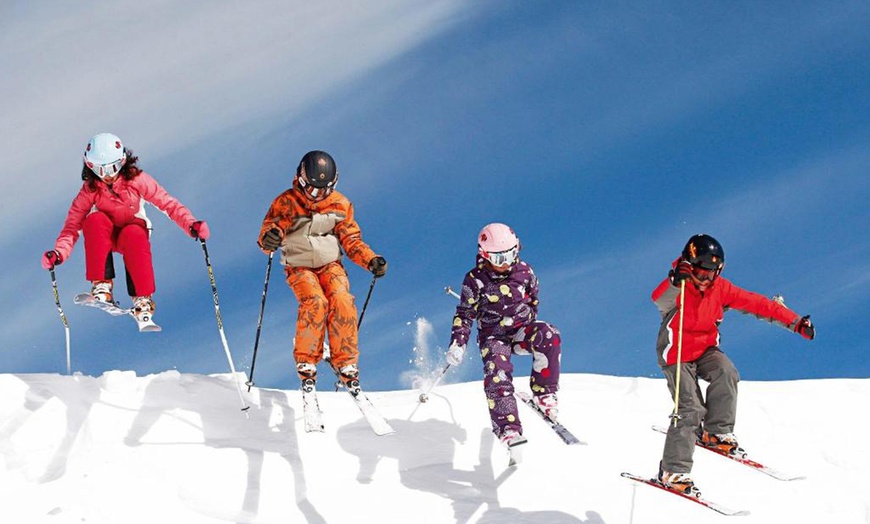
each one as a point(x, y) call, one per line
point(377, 421)
point(311, 411)
point(515, 451)
point(563, 433)
point(115, 309)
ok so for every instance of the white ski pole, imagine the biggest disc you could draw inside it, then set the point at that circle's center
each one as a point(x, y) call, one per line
point(62, 318)
point(220, 323)
point(424, 397)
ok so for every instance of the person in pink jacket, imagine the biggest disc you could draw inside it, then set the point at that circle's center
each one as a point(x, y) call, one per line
point(109, 210)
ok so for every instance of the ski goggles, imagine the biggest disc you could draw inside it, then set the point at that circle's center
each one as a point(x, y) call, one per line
point(316, 193)
point(109, 170)
point(703, 274)
point(501, 258)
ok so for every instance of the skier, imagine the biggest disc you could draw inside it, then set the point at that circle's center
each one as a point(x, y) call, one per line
point(109, 210)
point(311, 223)
point(707, 297)
point(501, 293)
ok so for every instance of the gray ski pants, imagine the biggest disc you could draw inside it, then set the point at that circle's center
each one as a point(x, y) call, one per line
point(716, 415)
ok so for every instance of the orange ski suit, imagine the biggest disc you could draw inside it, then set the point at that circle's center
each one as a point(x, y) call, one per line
point(314, 236)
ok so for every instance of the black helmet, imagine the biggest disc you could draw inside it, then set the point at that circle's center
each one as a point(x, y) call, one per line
point(704, 251)
point(317, 169)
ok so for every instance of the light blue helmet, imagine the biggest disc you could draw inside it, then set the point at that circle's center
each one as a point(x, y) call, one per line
point(105, 155)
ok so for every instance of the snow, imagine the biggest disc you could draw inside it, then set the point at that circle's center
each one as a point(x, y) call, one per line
point(175, 447)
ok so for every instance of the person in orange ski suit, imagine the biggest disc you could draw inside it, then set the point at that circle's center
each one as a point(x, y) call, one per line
point(310, 224)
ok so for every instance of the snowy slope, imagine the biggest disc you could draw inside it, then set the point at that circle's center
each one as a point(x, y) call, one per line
point(176, 448)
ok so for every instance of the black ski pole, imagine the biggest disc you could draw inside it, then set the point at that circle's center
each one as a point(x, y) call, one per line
point(260, 321)
point(220, 323)
point(62, 318)
point(366, 303)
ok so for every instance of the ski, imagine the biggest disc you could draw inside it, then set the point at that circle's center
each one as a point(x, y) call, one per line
point(698, 500)
point(515, 451)
point(311, 410)
point(778, 475)
point(369, 412)
point(563, 433)
point(115, 309)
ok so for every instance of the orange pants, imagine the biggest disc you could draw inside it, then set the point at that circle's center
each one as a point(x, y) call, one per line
point(325, 305)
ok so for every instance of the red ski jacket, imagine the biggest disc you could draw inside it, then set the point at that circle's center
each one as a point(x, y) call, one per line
point(703, 314)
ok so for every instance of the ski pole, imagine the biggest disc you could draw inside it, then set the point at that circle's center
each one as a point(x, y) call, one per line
point(220, 323)
point(366, 303)
point(424, 397)
point(675, 416)
point(260, 321)
point(62, 318)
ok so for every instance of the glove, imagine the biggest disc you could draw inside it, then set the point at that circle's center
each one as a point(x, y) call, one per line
point(50, 259)
point(199, 230)
point(682, 271)
point(378, 266)
point(455, 354)
point(272, 239)
point(805, 328)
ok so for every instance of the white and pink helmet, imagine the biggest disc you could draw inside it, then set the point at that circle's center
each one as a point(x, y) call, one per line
point(105, 155)
point(498, 244)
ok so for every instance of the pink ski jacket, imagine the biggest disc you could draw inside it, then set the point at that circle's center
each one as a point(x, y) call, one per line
point(124, 203)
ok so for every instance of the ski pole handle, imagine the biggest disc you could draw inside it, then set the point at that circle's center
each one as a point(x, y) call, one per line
point(449, 291)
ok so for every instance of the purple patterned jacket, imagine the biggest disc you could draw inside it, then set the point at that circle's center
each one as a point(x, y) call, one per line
point(502, 303)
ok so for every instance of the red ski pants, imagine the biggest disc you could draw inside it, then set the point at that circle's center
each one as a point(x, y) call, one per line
point(102, 237)
point(325, 305)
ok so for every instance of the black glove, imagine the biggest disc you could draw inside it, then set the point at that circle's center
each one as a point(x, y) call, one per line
point(682, 271)
point(272, 240)
point(378, 266)
point(805, 328)
point(50, 259)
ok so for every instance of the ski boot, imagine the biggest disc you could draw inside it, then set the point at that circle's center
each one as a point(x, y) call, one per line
point(349, 376)
point(308, 375)
point(548, 404)
point(725, 443)
point(143, 309)
point(102, 291)
point(679, 482)
point(511, 437)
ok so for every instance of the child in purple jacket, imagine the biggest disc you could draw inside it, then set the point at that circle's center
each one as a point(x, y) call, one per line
point(501, 293)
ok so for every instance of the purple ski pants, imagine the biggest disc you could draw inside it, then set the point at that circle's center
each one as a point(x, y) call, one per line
point(539, 339)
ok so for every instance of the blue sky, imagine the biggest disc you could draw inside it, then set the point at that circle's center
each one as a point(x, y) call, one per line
point(604, 134)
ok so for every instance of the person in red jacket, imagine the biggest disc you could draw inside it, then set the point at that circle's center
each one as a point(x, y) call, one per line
point(696, 352)
point(109, 210)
